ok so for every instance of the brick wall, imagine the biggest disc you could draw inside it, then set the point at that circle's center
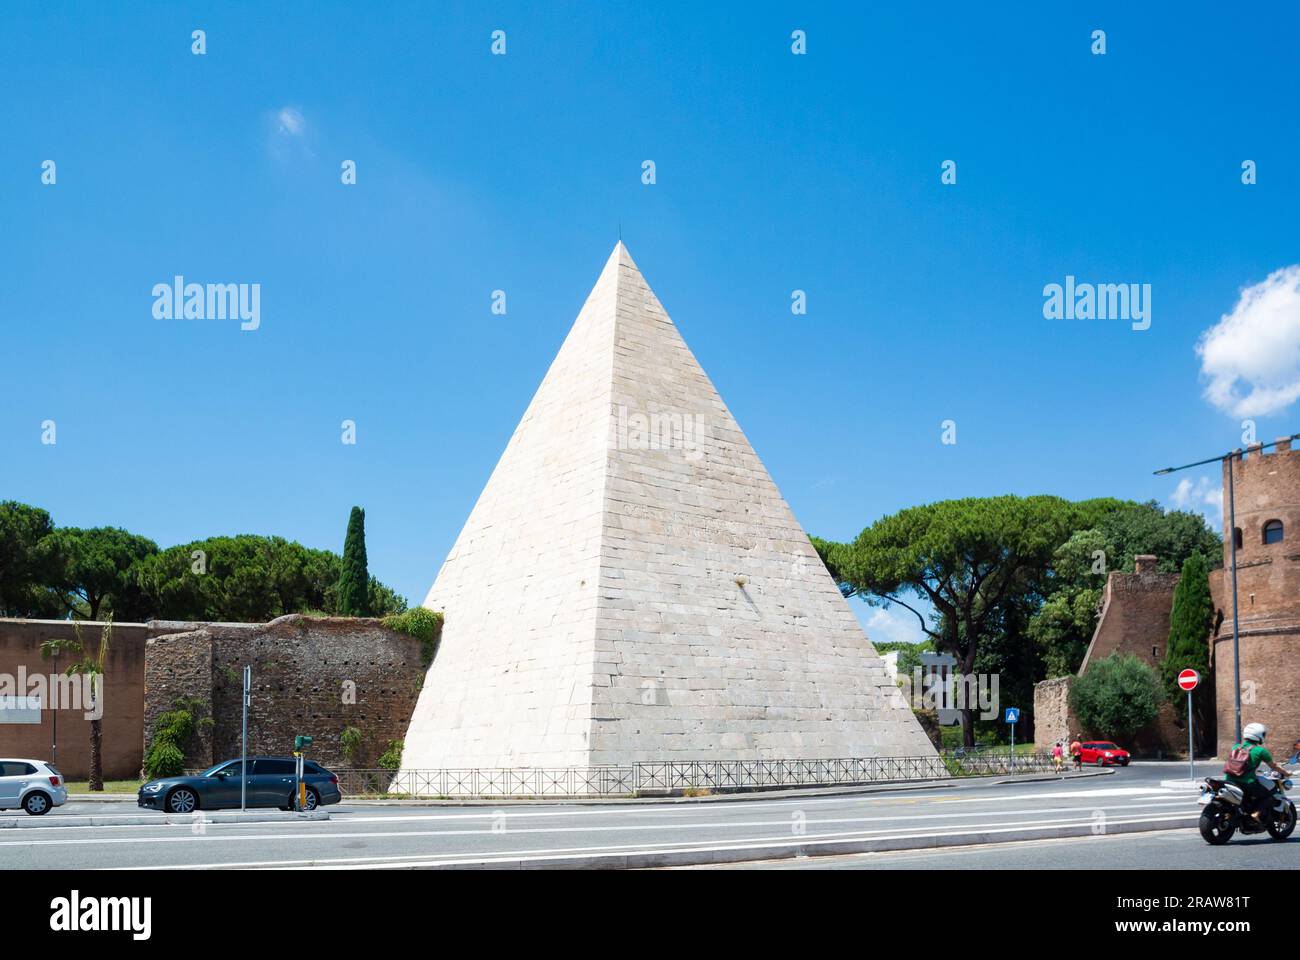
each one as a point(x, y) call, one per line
point(300, 668)
point(1135, 622)
point(311, 675)
point(63, 735)
point(1267, 487)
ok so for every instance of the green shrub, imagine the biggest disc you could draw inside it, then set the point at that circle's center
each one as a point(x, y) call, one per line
point(350, 740)
point(171, 730)
point(391, 759)
point(424, 625)
point(1117, 697)
point(164, 759)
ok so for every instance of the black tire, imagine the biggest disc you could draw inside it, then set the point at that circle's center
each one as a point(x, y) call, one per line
point(313, 800)
point(37, 804)
point(1214, 830)
point(1101, 762)
point(181, 800)
point(1280, 829)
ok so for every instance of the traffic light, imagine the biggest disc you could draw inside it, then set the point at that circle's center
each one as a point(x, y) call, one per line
point(301, 743)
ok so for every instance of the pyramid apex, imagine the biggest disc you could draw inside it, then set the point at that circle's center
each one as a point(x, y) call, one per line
point(620, 254)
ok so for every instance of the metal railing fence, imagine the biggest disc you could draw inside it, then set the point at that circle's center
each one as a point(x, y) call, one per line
point(678, 776)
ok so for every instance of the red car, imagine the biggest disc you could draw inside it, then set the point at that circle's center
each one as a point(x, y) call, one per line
point(1103, 753)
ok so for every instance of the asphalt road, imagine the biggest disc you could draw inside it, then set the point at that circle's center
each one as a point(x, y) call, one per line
point(1164, 850)
point(361, 835)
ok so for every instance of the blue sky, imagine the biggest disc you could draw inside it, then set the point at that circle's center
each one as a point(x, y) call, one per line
point(775, 172)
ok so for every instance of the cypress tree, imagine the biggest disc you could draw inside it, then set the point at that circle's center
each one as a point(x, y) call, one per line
point(354, 578)
point(1190, 620)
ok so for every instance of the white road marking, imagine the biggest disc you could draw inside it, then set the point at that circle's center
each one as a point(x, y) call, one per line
point(693, 810)
point(1088, 815)
point(1058, 794)
point(907, 856)
point(631, 808)
point(535, 856)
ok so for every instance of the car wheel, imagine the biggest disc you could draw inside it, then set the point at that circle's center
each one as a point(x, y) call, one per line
point(1281, 825)
point(1215, 826)
point(313, 799)
point(1101, 762)
point(36, 804)
point(182, 800)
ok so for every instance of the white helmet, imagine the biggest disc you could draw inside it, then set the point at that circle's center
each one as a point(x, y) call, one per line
point(1255, 732)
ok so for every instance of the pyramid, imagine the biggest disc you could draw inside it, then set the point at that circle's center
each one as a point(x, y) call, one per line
point(631, 585)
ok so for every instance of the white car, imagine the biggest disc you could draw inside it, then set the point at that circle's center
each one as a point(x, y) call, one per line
point(31, 785)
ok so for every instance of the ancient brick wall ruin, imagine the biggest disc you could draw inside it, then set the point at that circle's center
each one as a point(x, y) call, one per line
point(314, 676)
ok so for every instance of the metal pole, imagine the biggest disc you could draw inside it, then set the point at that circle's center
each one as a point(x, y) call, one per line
point(243, 755)
point(1236, 631)
point(1191, 750)
point(54, 717)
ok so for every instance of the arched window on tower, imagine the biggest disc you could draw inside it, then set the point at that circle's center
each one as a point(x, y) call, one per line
point(1273, 531)
point(1236, 537)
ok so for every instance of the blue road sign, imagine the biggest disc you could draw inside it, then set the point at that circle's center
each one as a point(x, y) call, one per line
point(1013, 714)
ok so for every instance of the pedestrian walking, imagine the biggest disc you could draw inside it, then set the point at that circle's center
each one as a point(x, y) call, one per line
point(1076, 753)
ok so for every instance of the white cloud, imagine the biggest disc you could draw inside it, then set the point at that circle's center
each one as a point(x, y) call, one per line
point(291, 121)
point(1251, 357)
point(1200, 496)
point(894, 624)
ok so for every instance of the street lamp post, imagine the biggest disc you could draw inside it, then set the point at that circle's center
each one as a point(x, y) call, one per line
point(1230, 458)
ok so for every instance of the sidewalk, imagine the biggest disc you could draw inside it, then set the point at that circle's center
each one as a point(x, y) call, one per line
point(139, 820)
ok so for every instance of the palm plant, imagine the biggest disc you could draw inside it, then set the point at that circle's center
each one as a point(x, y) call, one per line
point(90, 664)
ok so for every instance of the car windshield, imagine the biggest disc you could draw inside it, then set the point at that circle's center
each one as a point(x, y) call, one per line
point(1105, 746)
point(212, 771)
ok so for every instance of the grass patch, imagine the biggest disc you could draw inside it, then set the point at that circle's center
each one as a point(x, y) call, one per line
point(110, 786)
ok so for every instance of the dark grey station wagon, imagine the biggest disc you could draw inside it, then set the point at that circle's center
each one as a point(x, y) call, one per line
point(271, 783)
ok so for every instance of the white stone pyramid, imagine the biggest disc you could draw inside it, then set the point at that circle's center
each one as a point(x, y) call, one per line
point(631, 586)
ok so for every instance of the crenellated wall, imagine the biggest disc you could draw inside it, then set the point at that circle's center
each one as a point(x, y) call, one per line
point(1266, 487)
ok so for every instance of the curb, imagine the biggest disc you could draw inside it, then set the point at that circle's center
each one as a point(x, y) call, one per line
point(644, 800)
point(1182, 784)
point(1045, 777)
point(92, 820)
point(758, 794)
point(746, 853)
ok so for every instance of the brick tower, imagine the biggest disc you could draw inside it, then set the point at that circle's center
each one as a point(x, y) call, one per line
point(1267, 489)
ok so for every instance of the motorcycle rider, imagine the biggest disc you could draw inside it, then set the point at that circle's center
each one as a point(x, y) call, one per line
point(1253, 739)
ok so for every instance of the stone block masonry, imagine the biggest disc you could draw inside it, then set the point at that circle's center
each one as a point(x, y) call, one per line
point(631, 585)
point(1053, 721)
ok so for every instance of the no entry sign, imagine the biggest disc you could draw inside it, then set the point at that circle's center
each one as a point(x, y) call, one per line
point(1189, 679)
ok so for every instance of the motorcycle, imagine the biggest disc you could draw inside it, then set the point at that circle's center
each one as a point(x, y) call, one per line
point(1228, 810)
